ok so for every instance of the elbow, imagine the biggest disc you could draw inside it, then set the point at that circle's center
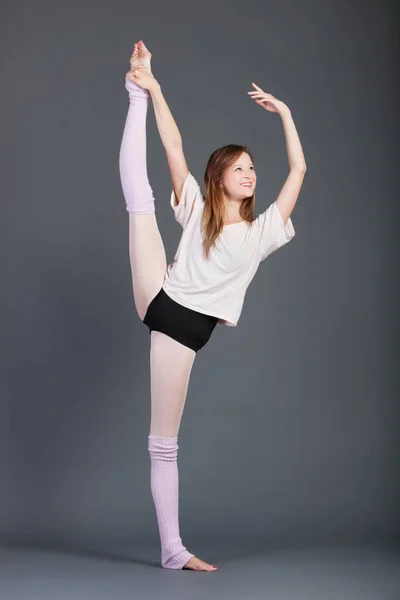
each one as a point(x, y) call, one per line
point(300, 168)
point(173, 145)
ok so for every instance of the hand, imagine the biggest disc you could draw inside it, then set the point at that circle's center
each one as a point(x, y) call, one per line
point(268, 101)
point(142, 76)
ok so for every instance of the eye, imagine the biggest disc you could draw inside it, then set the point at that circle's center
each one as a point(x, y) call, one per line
point(237, 168)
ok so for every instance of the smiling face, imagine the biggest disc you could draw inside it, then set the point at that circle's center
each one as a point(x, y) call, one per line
point(236, 176)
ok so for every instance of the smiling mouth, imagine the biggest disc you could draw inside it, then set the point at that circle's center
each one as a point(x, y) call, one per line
point(246, 184)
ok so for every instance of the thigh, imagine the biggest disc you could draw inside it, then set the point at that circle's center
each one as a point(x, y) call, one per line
point(148, 259)
point(170, 368)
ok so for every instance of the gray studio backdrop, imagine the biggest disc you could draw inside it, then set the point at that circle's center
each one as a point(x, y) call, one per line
point(289, 429)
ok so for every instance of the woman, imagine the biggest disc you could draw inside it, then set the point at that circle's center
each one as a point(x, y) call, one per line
point(220, 250)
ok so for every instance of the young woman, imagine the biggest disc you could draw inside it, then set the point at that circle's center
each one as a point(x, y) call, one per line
point(221, 247)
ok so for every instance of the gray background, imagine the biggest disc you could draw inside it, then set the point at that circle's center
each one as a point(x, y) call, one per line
point(289, 431)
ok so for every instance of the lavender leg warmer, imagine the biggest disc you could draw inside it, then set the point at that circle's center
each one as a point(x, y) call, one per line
point(165, 487)
point(132, 158)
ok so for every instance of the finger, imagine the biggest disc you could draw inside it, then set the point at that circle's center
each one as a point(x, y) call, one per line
point(256, 86)
point(254, 93)
point(262, 100)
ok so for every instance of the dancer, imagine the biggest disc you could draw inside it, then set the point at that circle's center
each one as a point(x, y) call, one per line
point(221, 247)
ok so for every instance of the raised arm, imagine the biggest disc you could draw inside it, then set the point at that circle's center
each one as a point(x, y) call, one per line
point(289, 193)
point(168, 130)
point(171, 139)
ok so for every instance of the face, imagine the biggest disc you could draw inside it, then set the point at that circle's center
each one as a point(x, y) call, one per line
point(236, 176)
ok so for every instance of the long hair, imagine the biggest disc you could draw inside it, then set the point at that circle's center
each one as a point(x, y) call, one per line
point(214, 209)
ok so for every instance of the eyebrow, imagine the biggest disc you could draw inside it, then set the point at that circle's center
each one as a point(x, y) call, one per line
point(240, 165)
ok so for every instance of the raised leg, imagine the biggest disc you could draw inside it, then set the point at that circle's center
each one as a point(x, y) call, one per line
point(146, 248)
point(148, 260)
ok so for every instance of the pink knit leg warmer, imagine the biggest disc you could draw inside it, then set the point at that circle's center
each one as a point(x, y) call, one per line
point(164, 488)
point(132, 157)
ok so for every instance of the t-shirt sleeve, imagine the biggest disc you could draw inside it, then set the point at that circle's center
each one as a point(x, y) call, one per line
point(272, 231)
point(191, 197)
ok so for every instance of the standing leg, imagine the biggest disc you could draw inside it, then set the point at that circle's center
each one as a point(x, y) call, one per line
point(170, 366)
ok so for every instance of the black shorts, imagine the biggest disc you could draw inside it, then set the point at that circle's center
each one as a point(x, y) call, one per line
point(187, 326)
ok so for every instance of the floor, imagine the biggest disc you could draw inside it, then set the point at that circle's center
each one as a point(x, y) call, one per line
point(119, 572)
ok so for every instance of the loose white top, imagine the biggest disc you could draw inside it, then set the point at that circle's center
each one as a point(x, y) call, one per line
point(217, 286)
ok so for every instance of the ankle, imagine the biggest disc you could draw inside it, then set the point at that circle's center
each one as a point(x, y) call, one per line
point(135, 91)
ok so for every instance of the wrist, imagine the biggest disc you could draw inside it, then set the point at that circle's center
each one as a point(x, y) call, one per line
point(286, 112)
point(155, 87)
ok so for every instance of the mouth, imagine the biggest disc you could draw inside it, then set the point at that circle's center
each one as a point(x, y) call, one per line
point(248, 185)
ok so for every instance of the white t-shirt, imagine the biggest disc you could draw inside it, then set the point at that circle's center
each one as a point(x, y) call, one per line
point(217, 286)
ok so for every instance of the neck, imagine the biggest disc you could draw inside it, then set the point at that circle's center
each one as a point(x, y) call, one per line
point(232, 209)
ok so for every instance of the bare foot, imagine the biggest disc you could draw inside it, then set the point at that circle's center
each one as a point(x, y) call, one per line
point(199, 565)
point(140, 56)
